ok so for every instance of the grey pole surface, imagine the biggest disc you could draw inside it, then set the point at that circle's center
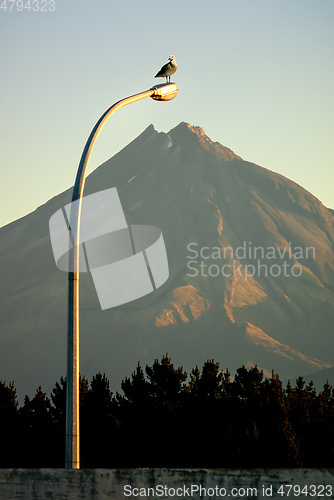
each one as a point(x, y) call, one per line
point(162, 92)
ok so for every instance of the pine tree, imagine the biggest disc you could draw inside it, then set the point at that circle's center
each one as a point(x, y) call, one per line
point(166, 382)
point(137, 391)
point(39, 431)
point(98, 425)
point(320, 436)
point(9, 425)
point(278, 443)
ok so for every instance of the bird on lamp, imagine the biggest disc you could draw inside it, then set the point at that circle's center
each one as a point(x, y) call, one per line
point(168, 69)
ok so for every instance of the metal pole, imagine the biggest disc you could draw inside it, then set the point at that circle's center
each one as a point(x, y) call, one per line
point(72, 443)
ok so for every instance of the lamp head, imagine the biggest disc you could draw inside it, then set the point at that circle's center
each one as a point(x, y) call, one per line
point(164, 91)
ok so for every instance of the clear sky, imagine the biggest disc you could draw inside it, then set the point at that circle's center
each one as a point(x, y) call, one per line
point(256, 75)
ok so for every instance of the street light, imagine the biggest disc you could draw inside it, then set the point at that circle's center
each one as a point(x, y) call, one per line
point(163, 92)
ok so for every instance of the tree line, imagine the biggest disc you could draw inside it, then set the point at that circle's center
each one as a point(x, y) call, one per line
point(163, 418)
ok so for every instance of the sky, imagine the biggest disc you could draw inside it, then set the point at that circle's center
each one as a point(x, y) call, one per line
point(256, 75)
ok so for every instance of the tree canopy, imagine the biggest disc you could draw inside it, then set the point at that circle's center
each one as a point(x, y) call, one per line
point(165, 418)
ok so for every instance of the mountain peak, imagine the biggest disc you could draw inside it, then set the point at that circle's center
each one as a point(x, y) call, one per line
point(184, 131)
point(195, 129)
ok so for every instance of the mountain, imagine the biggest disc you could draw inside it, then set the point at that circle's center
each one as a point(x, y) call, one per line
point(214, 210)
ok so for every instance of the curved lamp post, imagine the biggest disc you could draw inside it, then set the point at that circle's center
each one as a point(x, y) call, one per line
point(163, 92)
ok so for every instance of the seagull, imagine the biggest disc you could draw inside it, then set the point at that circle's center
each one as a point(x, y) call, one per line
point(168, 69)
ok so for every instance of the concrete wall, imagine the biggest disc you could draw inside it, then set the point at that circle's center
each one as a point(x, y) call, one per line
point(101, 484)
